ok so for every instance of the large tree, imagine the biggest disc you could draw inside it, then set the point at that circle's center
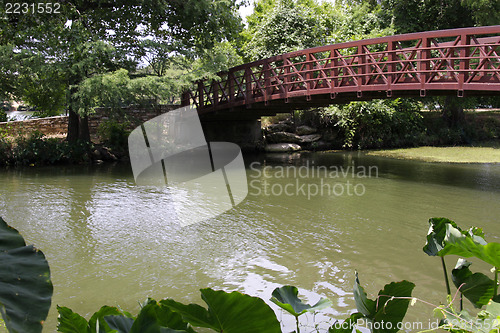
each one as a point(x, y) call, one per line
point(85, 38)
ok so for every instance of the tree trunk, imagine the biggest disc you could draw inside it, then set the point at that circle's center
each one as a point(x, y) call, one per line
point(453, 111)
point(73, 126)
point(83, 131)
point(73, 118)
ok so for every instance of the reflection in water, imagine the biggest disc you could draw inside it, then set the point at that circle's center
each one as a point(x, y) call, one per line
point(111, 242)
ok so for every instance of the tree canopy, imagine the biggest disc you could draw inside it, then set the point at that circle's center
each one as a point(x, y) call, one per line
point(89, 38)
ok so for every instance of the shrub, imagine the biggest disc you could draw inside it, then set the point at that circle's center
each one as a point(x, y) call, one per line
point(377, 124)
point(36, 149)
point(3, 115)
point(114, 134)
point(5, 151)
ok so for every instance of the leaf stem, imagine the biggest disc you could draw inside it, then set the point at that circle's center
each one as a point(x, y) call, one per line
point(448, 290)
point(496, 282)
point(297, 321)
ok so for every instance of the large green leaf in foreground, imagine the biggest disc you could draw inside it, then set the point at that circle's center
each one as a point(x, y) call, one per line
point(286, 298)
point(471, 244)
point(476, 287)
point(228, 312)
point(25, 286)
point(436, 235)
point(390, 307)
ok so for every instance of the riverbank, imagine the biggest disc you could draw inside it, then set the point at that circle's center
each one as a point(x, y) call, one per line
point(444, 154)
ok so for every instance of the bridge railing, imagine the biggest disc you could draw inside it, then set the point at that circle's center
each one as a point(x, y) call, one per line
point(459, 60)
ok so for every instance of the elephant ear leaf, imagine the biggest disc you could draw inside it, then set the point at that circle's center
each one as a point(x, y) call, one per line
point(286, 298)
point(393, 302)
point(472, 244)
point(25, 286)
point(119, 323)
point(228, 312)
point(436, 235)
point(476, 287)
point(364, 305)
point(390, 307)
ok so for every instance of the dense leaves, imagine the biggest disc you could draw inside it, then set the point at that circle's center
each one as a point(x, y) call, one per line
point(36, 149)
point(48, 57)
point(376, 124)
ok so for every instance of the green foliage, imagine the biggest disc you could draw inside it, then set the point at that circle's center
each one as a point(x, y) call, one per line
point(35, 149)
point(220, 58)
point(361, 21)
point(484, 12)
point(116, 90)
point(228, 312)
point(114, 134)
point(54, 54)
point(471, 243)
point(476, 287)
point(446, 238)
point(25, 285)
point(408, 16)
point(3, 115)
point(486, 321)
point(153, 317)
point(377, 124)
point(42, 85)
point(286, 298)
point(390, 307)
point(436, 235)
point(289, 26)
point(278, 26)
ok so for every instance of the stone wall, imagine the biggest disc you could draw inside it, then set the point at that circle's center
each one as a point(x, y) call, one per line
point(48, 126)
point(59, 125)
point(134, 116)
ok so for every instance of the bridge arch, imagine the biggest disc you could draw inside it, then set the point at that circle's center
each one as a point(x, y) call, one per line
point(461, 62)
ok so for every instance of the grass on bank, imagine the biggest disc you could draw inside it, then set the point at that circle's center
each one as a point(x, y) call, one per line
point(444, 154)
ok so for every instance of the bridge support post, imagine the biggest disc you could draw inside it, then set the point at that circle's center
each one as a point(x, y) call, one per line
point(246, 133)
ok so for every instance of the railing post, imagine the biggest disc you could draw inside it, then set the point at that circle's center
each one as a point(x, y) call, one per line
point(215, 89)
point(391, 57)
point(423, 64)
point(248, 86)
point(309, 75)
point(361, 69)
point(231, 78)
point(201, 96)
point(464, 63)
point(267, 80)
point(286, 79)
point(335, 78)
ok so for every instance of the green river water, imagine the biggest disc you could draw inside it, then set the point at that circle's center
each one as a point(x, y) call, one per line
point(111, 242)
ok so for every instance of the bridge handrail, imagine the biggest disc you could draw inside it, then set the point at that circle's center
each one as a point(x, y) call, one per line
point(468, 61)
point(494, 29)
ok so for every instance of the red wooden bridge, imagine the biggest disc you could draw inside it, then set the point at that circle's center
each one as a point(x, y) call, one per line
point(462, 62)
